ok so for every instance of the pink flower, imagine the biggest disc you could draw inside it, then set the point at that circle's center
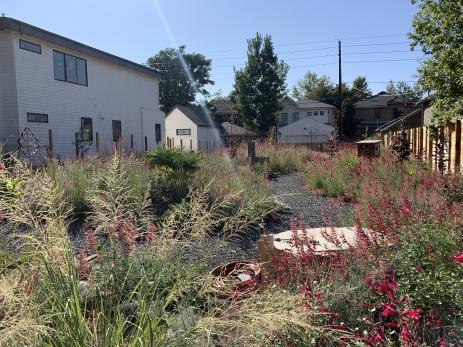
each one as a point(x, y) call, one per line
point(457, 258)
point(378, 338)
point(414, 315)
point(404, 334)
point(387, 310)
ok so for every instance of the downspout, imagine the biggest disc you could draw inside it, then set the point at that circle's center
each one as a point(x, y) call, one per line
point(141, 129)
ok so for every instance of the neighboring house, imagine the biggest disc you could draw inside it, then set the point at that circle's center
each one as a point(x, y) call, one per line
point(292, 111)
point(380, 109)
point(223, 111)
point(62, 89)
point(192, 129)
point(419, 117)
point(305, 131)
point(233, 134)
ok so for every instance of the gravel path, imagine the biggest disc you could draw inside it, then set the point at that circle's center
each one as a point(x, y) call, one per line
point(302, 205)
point(298, 204)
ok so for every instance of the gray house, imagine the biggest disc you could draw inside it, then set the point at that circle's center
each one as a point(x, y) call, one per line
point(60, 90)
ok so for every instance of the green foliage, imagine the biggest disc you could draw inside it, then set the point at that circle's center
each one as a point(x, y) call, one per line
point(437, 29)
point(173, 158)
point(360, 88)
point(424, 267)
point(176, 86)
point(403, 89)
point(260, 85)
point(452, 189)
point(315, 87)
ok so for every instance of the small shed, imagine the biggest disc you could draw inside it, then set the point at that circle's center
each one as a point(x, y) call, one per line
point(369, 148)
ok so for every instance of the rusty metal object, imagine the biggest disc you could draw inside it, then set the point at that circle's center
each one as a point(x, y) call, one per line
point(236, 279)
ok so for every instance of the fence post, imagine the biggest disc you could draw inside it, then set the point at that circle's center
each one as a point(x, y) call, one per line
point(97, 138)
point(50, 143)
point(77, 142)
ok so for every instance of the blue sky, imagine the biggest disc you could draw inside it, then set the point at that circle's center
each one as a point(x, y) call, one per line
point(304, 32)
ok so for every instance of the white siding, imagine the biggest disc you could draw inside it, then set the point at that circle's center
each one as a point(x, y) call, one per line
point(177, 120)
point(113, 93)
point(305, 131)
point(8, 99)
point(290, 108)
point(201, 138)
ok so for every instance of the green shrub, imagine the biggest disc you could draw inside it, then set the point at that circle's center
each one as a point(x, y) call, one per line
point(168, 187)
point(174, 158)
point(425, 270)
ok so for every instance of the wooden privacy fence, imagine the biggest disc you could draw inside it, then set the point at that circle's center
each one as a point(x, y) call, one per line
point(423, 146)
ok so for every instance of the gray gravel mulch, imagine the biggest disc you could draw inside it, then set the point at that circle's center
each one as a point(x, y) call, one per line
point(298, 204)
point(288, 190)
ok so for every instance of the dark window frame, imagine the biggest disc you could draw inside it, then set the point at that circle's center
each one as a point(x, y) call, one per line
point(158, 131)
point(183, 132)
point(82, 120)
point(295, 116)
point(29, 120)
point(322, 113)
point(114, 122)
point(377, 114)
point(284, 116)
point(65, 69)
point(21, 42)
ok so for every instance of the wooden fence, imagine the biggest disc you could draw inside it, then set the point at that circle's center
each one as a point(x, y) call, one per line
point(422, 145)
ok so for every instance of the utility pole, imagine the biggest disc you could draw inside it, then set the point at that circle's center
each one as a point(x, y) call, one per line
point(340, 90)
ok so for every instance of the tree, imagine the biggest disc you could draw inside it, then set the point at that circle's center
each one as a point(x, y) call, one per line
point(260, 85)
point(437, 30)
point(360, 88)
point(314, 87)
point(179, 86)
point(404, 90)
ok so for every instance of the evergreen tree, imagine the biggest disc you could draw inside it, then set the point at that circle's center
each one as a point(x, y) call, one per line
point(260, 85)
point(360, 88)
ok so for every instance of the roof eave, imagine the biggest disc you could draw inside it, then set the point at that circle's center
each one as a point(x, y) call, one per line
point(7, 23)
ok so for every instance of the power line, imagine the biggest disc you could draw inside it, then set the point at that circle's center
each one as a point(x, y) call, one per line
point(331, 55)
point(311, 42)
point(335, 63)
point(320, 49)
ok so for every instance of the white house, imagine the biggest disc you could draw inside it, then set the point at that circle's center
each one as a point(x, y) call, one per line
point(305, 131)
point(192, 129)
point(62, 90)
point(292, 111)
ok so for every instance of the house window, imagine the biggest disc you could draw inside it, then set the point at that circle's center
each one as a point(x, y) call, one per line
point(284, 119)
point(322, 113)
point(157, 130)
point(377, 114)
point(315, 113)
point(309, 114)
point(69, 68)
point(183, 132)
point(37, 117)
point(295, 116)
point(117, 130)
point(86, 129)
point(29, 46)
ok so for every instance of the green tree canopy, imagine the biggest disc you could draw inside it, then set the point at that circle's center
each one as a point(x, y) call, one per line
point(438, 30)
point(176, 87)
point(404, 90)
point(314, 87)
point(260, 85)
point(360, 88)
